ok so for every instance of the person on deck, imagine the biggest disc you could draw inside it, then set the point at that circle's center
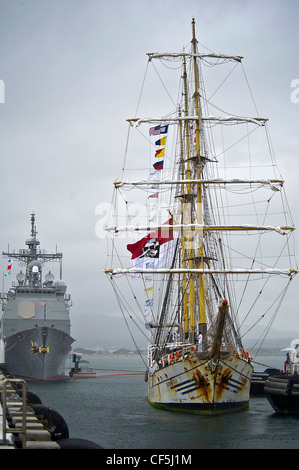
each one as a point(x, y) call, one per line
point(199, 342)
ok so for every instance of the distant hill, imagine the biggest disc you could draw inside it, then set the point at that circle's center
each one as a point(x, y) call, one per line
point(110, 332)
point(277, 339)
point(110, 352)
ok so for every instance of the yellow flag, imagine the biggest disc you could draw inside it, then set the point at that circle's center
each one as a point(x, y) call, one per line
point(160, 153)
point(161, 141)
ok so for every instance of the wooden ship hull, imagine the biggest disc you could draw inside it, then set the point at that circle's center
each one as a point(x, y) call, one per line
point(195, 383)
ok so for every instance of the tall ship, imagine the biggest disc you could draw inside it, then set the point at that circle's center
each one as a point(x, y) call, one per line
point(35, 325)
point(200, 230)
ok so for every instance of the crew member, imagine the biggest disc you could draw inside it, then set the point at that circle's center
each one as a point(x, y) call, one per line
point(199, 342)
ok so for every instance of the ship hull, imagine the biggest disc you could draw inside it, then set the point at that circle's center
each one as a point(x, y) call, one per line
point(21, 361)
point(198, 385)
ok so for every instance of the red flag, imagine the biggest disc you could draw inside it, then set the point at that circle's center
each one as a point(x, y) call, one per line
point(160, 235)
point(159, 165)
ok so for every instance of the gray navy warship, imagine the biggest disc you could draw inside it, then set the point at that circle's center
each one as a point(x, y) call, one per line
point(35, 325)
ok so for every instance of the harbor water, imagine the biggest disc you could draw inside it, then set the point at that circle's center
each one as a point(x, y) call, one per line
point(112, 410)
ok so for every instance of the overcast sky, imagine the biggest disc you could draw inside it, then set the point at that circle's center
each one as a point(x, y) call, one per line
point(72, 71)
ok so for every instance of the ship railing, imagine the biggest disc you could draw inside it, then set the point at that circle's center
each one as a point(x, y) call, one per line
point(15, 284)
point(6, 394)
point(176, 351)
point(173, 351)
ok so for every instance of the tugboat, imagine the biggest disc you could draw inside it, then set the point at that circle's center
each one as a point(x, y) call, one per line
point(282, 390)
point(79, 369)
point(258, 380)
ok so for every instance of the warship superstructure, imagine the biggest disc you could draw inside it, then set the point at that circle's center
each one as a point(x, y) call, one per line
point(35, 326)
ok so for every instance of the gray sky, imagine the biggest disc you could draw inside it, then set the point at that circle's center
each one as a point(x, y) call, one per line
point(72, 71)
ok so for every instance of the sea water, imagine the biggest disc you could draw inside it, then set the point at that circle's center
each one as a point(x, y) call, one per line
point(112, 410)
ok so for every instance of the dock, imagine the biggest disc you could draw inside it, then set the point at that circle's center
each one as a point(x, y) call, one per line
point(19, 426)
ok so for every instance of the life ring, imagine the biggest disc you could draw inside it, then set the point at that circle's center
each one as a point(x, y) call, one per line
point(246, 355)
point(193, 349)
point(242, 352)
point(170, 357)
point(177, 355)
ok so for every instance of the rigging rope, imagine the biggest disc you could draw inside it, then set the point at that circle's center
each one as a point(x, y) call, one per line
point(141, 91)
point(169, 95)
point(266, 330)
point(130, 332)
point(272, 319)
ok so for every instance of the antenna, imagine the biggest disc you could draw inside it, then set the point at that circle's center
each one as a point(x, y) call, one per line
point(33, 228)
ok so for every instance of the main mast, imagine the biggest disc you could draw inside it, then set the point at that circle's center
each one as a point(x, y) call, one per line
point(187, 237)
point(202, 307)
point(194, 212)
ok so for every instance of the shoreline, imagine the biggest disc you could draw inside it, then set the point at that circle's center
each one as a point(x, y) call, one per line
point(112, 352)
